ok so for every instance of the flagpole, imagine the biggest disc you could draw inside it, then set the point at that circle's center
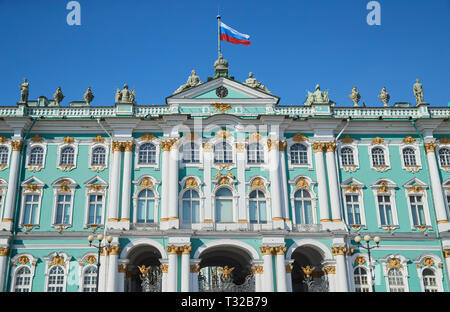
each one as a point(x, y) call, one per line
point(218, 33)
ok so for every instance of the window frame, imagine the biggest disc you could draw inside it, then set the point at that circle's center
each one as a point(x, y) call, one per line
point(58, 190)
point(61, 147)
point(403, 267)
point(355, 151)
point(391, 187)
point(32, 145)
point(181, 162)
point(308, 151)
point(232, 151)
point(26, 190)
point(310, 185)
point(138, 187)
point(443, 147)
point(234, 199)
point(416, 150)
point(95, 186)
point(91, 155)
point(8, 159)
point(436, 267)
point(387, 163)
point(139, 142)
point(65, 266)
point(18, 263)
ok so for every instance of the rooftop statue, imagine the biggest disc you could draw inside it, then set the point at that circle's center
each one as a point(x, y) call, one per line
point(125, 96)
point(355, 96)
point(88, 96)
point(221, 63)
point(418, 92)
point(253, 83)
point(24, 91)
point(192, 81)
point(384, 97)
point(58, 96)
point(318, 97)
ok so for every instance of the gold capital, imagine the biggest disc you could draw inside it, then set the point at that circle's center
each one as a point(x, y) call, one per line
point(329, 269)
point(122, 268)
point(258, 269)
point(195, 268)
point(117, 146)
point(17, 145)
point(114, 250)
point(4, 252)
point(280, 250)
point(164, 268)
point(267, 250)
point(318, 147)
point(430, 147)
point(289, 268)
point(446, 253)
point(240, 147)
point(330, 147)
point(186, 250)
point(129, 146)
point(339, 251)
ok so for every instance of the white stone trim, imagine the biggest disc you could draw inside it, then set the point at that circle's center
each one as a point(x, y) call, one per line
point(30, 146)
point(184, 140)
point(229, 140)
point(227, 242)
point(235, 197)
point(265, 190)
point(416, 149)
point(136, 192)
point(102, 191)
point(91, 149)
point(30, 265)
point(63, 145)
point(72, 186)
point(140, 242)
point(408, 191)
point(385, 148)
point(360, 193)
point(263, 144)
point(3, 192)
point(8, 146)
point(294, 189)
point(366, 266)
point(291, 166)
point(39, 192)
point(354, 147)
point(324, 251)
point(196, 226)
point(438, 148)
point(404, 263)
point(138, 143)
point(436, 268)
point(48, 259)
point(391, 187)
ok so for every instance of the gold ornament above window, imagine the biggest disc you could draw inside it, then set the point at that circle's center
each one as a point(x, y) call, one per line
point(347, 140)
point(383, 187)
point(360, 260)
point(377, 140)
point(68, 140)
point(3, 139)
point(444, 140)
point(255, 137)
point(37, 139)
point(23, 260)
point(299, 138)
point(302, 184)
point(222, 107)
point(257, 183)
point(146, 183)
point(394, 263)
point(57, 260)
point(409, 140)
point(191, 182)
point(148, 137)
point(98, 139)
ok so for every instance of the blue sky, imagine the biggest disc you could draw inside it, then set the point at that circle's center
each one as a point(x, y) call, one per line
point(153, 46)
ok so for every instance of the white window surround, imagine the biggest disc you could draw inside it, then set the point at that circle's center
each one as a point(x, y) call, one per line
point(30, 146)
point(182, 164)
point(402, 265)
point(230, 142)
point(83, 270)
point(250, 189)
point(91, 149)
point(436, 267)
point(30, 263)
point(378, 190)
point(95, 186)
point(8, 146)
point(31, 186)
point(438, 149)
point(65, 265)
point(139, 142)
point(385, 148)
point(295, 185)
point(225, 226)
point(256, 138)
point(446, 189)
point(416, 149)
point(198, 188)
point(3, 190)
point(365, 265)
point(417, 187)
point(61, 187)
point(354, 147)
point(290, 142)
point(61, 146)
point(352, 186)
point(140, 186)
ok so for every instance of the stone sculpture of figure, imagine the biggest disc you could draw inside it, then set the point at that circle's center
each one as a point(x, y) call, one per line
point(355, 96)
point(88, 96)
point(418, 92)
point(125, 96)
point(58, 96)
point(192, 81)
point(384, 97)
point(318, 96)
point(253, 83)
point(24, 91)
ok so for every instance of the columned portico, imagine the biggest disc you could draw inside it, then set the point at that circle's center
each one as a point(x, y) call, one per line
point(280, 268)
point(341, 268)
point(4, 254)
point(267, 252)
point(113, 263)
point(172, 268)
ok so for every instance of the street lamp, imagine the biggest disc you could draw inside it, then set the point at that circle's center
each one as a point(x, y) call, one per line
point(100, 237)
point(367, 239)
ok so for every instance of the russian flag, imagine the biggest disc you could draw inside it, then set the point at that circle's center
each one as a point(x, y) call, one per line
point(230, 35)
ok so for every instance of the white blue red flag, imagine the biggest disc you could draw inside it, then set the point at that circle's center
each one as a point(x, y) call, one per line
point(231, 35)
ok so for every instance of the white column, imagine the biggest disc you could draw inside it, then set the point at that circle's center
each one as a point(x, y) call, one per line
point(275, 187)
point(341, 268)
point(289, 268)
point(333, 183)
point(436, 187)
point(207, 162)
point(113, 263)
point(330, 271)
point(446, 253)
point(173, 269)
point(174, 221)
point(280, 268)
point(195, 270)
point(4, 254)
point(268, 268)
point(185, 268)
point(103, 270)
point(165, 270)
point(322, 182)
point(121, 275)
point(284, 183)
point(258, 271)
point(10, 201)
point(165, 186)
point(126, 185)
point(114, 185)
point(242, 207)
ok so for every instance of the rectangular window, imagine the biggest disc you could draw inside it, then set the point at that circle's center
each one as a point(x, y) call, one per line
point(417, 210)
point(353, 211)
point(224, 210)
point(385, 210)
point(95, 209)
point(63, 207)
point(31, 206)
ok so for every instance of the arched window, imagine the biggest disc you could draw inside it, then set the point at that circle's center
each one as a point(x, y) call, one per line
point(98, 156)
point(191, 153)
point(395, 279)
point(223, 153)
point(95, 209)
point(224, 205)
point(67, 156)
point(63, 209)
point(409, 157)
point(23, 280)
point(347, 157)
point(444, 157)
point(56, 279)
point(255, 154)
point(90, 279)
point(429, 281)
point(36, 156)
point(146, 207)
point(147, 154)
point(257, 207)
point(361, 282)
point(303, 207)
point(299, 154)
point(378, 158)
point(191, 207)
point(3, 155)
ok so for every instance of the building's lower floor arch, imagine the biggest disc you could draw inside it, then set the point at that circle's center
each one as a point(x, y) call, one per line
point(306, 258)
point(147, 258)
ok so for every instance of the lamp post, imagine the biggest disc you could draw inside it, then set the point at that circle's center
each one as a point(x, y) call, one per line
point(100, 237)
point(367, 239)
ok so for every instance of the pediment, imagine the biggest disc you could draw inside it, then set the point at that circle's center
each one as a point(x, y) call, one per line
point(95, 180)
point(238, 93)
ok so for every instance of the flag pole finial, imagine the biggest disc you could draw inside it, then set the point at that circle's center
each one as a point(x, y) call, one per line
point(218, 32)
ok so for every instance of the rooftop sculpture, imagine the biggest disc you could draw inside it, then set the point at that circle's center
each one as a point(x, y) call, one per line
point(24, 91)
point(192, 81)
point(384, 97)
point(418, 92)
point(355, 96)
point(253, 83)
point(58, 96)
point(125, 96)
point(318, 97)
point(88, 96)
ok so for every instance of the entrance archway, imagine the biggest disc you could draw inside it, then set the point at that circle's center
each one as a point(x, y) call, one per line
point(226, 268)
point(143, 255)
point(306, 256)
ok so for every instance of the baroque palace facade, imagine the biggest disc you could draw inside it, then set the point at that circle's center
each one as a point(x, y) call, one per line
point(223, 189)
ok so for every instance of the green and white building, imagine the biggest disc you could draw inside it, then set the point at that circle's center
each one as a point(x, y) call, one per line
point(222, 188)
